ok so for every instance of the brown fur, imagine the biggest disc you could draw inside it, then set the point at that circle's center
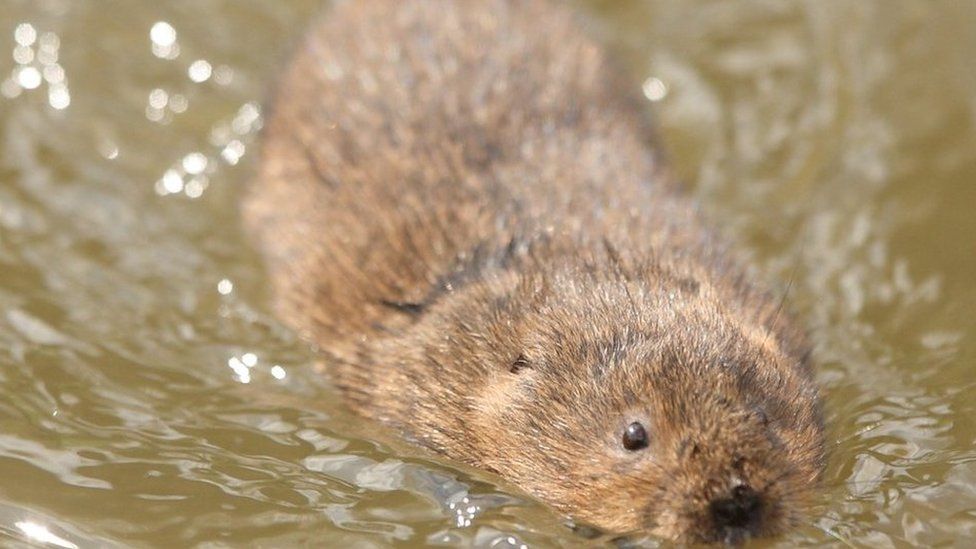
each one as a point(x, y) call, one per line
point(461, 209)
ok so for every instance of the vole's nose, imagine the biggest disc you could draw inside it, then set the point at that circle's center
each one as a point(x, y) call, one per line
point(741, 511)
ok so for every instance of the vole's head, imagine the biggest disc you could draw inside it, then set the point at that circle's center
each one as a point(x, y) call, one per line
point(636, 408)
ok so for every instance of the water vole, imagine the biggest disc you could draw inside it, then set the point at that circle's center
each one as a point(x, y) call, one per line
point(462, 209)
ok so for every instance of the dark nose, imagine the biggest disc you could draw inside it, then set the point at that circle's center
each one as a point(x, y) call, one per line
point(741, 511)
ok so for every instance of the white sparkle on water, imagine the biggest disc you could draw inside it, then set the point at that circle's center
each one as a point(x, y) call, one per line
point(23, 55)
point(178, 103)
point(53, 73)
point(242, 372)
point(25, 34)
point(9, 88)
point(200, 71)
point(225, 287)
point(40, 534)
point(29, 78)
point(158, 98)
point(195, 187)
point(172, 181)
point(195, 163)
point(233, 152)
point(58, 97)
point(162, 34)
point(654, 89)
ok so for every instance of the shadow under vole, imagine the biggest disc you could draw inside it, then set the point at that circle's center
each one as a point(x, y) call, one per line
point(461, 208)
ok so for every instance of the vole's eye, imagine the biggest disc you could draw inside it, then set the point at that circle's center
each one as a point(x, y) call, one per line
point(635, 437)
point(519, 364)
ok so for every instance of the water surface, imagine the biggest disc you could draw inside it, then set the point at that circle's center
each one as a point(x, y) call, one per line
point(148, 398)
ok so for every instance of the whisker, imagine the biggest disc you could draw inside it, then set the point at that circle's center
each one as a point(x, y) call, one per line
point(833, 534)
point(771, 327)
point(859, 432)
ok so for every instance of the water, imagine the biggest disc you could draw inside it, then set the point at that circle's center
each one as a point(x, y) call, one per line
point(148, 398)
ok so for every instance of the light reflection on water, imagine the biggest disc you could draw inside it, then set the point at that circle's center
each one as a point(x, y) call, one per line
point(36, 58)
point(149, 398)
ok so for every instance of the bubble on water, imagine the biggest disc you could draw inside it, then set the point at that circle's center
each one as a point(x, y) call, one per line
point(200, 71)
point(249, 359)
point(278, 372)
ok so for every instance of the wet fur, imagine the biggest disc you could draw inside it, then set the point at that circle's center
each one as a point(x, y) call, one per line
point(462, 209)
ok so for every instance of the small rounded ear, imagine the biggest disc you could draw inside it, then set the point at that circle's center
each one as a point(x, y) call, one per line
point(761, 416)
point(520, 363)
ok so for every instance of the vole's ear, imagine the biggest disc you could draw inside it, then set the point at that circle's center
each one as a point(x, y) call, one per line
point(761, 416)
point(520, 363)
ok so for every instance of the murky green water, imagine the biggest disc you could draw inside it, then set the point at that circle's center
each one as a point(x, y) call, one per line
point(147, 398)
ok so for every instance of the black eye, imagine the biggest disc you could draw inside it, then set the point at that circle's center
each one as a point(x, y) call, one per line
point(519, 364)
point(635, 437)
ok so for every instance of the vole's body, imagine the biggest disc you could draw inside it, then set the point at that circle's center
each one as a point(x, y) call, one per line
point(462, 210)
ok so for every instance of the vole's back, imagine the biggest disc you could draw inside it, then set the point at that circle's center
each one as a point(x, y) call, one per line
point(408, 137)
